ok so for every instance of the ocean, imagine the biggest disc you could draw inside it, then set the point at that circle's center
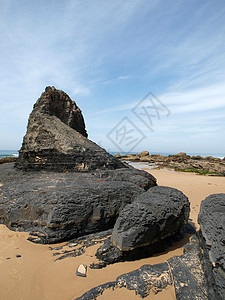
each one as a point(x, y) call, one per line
point(15, 153)
point(8, 153)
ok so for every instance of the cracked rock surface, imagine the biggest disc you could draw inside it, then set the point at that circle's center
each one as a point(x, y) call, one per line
point(154, 215)
point(212, 236)
point(184, 272)
point(57, 206)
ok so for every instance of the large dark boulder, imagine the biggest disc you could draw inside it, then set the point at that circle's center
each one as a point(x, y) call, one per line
point(56, 206)
point(56, 138)
point(212, 237)
point(154, 215)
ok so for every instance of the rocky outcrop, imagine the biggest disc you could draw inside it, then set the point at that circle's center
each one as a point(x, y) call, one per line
point(184, 272)
point(57, 103)
point(153, 216)
point(56, 138)
point(188, 275)
point(182, 162)
point(5, 160)
point(144, 153)
point(145, 280)
point(56, 206)
point(147, 225)
point(212, 237)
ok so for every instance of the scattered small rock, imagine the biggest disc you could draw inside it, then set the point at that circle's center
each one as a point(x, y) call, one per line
point(18, 255)
point(82, 270)
point(182, 284)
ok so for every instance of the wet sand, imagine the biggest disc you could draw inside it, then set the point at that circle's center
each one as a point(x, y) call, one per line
point(35, 275)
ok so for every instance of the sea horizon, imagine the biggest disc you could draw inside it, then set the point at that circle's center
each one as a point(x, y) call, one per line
point(15, 153)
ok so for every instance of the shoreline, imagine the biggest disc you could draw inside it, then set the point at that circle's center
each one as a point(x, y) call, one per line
point(180, 162)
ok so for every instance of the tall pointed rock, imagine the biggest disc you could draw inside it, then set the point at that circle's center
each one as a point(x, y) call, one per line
point(56, 138)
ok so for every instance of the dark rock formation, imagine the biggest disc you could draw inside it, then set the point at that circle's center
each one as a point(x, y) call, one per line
point(143, 281)
point(78, 246)
point(187, 272)
point(212, 236)
point(184, 271)
point(152, 222)
point(110, 254)
point(153, 216)
point(56, 206)
point(56, 138)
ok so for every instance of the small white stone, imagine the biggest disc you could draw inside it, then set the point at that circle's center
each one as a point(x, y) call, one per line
point(82, 270)
point(182, 284)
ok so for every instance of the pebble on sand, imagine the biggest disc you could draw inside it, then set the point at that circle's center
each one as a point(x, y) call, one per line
point(82, 270)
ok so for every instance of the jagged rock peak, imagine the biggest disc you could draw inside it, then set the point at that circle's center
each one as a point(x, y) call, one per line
point(57, 103)
point(56, 138)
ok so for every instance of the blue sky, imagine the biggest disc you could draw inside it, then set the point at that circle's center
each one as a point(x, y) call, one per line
point(108, 55)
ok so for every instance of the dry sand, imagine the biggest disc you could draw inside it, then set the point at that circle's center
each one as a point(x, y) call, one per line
point(35, 275)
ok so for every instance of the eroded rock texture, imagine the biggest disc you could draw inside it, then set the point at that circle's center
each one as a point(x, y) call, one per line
point(56, 138)
point(212, 238)
point(184, 272)
point(56, 206)
point(153, 216)
point(145, 280)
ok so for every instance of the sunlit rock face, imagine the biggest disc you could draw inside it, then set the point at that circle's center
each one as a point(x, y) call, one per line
point(56, 138)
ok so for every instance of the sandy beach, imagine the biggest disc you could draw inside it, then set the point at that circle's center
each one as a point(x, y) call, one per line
point(35, 274)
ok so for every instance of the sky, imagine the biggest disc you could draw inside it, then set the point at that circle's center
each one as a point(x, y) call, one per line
point(147, 75)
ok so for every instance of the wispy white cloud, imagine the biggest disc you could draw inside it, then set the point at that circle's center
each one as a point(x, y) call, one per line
point(123, 77)
point(115, 80)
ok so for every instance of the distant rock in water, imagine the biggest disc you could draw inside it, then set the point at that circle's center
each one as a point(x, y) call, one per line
point(56, 138)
